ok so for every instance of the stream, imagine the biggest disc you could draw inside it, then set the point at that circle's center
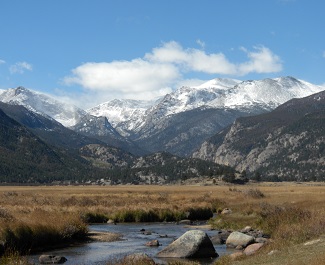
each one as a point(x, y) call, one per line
point(99, 253)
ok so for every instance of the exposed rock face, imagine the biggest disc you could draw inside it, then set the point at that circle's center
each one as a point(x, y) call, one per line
point(192, 244)
point(287, 143)
point(239, 239)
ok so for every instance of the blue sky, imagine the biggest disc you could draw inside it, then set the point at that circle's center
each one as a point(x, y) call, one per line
point(91, 51)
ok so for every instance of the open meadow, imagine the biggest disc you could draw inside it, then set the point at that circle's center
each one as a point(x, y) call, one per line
point(34, 218)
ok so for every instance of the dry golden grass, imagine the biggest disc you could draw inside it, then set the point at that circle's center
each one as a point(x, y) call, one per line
point(28, 204)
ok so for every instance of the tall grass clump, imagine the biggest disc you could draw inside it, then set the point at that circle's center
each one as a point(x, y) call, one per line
point(291, 225)
point(161, 215)
point(26, 237)
point(139, 215)
point(91, 217)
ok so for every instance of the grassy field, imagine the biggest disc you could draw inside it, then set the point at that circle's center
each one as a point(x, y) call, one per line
point(291, 213)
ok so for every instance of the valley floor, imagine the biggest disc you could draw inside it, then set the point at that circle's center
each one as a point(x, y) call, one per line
point(293, 213)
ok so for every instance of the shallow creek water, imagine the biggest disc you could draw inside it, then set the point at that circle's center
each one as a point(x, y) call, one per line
point(99, 253)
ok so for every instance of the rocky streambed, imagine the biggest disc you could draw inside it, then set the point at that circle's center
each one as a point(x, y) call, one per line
point(113, 242)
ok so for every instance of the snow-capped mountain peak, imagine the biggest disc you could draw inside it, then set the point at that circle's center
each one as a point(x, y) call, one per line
point(269, 92)
point(219, 83)
point(67, 114)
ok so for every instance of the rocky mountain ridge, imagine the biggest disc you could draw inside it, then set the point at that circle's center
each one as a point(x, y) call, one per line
point(287, 143)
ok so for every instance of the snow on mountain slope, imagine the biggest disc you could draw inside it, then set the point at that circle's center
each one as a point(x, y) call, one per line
point(234, 94)
point(129, 116)
point(188, 98)
point(269, 92)
point(124, 115)
point(68, 115)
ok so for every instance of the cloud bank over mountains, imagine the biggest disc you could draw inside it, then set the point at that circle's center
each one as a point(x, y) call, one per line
point(164, 68)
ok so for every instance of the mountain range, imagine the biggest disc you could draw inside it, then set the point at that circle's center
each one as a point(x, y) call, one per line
point(189, 122)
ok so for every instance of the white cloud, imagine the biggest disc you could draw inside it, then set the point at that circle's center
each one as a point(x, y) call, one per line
point(136, 77)
point(261, 61)
point(20, 67)
point(191, 59)
point(2, 61)
point(164, 68)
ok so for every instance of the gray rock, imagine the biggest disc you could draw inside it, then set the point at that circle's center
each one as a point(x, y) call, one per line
point(239, 239)
point(138, 258)
point(185, 222)
point(247, 229)
point(253, 248)
point(51, 259)
point(226, 211)
point(261, 240)
point(217, 240)
point(153, 243)
point(192, 244)
point(224, 235)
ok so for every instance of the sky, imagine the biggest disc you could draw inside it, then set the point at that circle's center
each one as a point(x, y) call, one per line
point(91, 51)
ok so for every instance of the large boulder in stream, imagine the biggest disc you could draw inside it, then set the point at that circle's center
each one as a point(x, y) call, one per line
point(192, 244)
